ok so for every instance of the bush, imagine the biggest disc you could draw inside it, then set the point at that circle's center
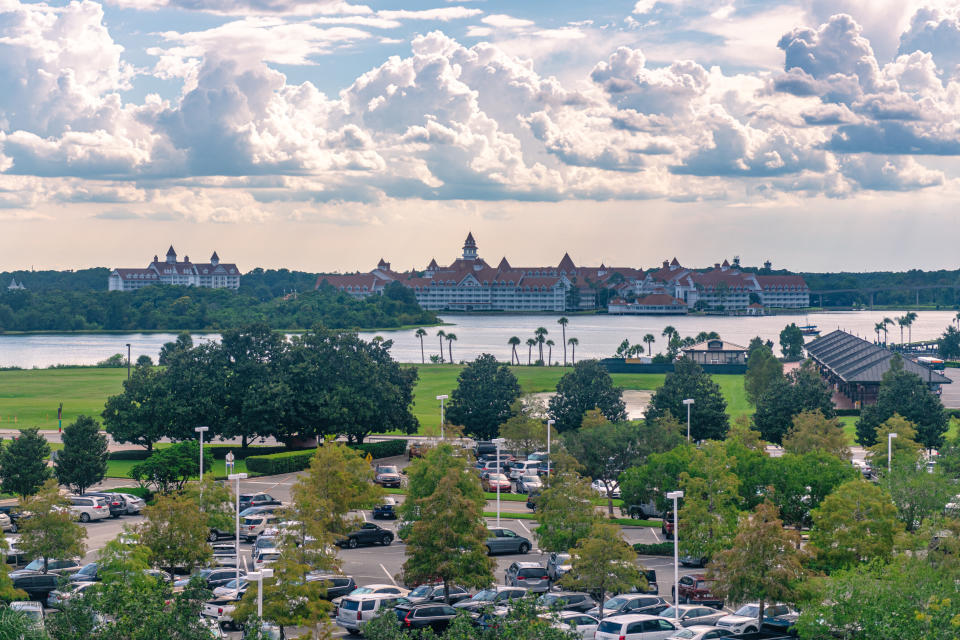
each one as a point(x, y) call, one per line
point(384, 449)
point(658, 549)
point(847, 412)
point(140, 492)
point(290, 461)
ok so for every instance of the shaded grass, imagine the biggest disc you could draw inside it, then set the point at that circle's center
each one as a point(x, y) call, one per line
point(121, 468)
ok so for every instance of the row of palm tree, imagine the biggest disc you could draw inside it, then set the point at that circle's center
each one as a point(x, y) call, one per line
point(442, 335)
point(539, 340)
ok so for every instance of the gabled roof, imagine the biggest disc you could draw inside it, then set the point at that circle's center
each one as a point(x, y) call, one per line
point(725, 264)
point(383, 264)
point(853, 359)
point(171, 252)
point(470, 242)
point(433, 264)
point(674, 262)
point(661, 299)
point(715, 345)
point(504, 265)
point(566, 264)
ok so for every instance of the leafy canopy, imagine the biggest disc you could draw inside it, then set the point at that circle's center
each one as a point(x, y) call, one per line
point(587, 387)
point(483, 397)
point(708, 415)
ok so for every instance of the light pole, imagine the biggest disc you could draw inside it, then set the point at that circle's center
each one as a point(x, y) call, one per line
point(228, 459)
point(260, 576)
point(441, 398)
point(498, 442)
point(128, 361)
point(201, 431)
point(675, 495)
point(550, 424)
point(237, 477)
point(688, 402)
point(890, 437)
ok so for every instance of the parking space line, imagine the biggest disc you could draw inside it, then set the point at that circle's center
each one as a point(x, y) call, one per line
point(520, 522)
point(655, 536)
point(389, 577)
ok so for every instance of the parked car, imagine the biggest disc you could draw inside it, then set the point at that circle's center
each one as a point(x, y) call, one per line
point(529, 483)
point(257, 500)
point(700, 632)
point(337, 585)
point(635, 627)
point(493, 481)
point(115, 502)
point(644, 510)
point(434, 593)
point(356, 611)
point(16, 515)
point(6, 524)
point(434, 615)
point(745, 619)
point(89, 508)
point(232, 589)
point(484, 447)
point(264, 558)
point(135, 504)
point(527, 574)
point(368, 533)
point(263, 543)
point(630, 603)
point(253, 526)
point(557, 565)
point(37, 585)
point(666, 525)
point(532, 499)
point(57, 598)
point(691, 614)
point(224, 555)
point(211, 578)
point(56, 567)
point(651, 576)
point(87, 573)
point(387, 475)
point(524, 468)
point(264, 631)
point(33, 611)
point(601, 488)
point(695, 589)
point(385, 511)
point(567, 601)
point(491, 597)
point(416, 450)
point(506, 541)
point(374, 589)
point(579, 623)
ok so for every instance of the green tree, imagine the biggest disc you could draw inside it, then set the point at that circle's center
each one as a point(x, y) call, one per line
point(514, 342)
point(481, 402)
point(175, 531)
point(918, 494)
point(708, 416)
point(451, 338)
point(573, 342)
point(565, 512)
point(420, 334)
point(168, 469)
point(791, 342)
point(141, 413)
point(708, 514)
point(904, 445)
point(144, 361)
point(50, 532)
point(763, 369)
point(7, 592)
point(603, 563)
point(183, 343)
point(16, 625)
point(948, 345)
point(764, 563)
point(447, 542)
point(524, 431)
point(652, 480)
point(83, 461)
point(587, 387)
point(742, 433)
point(800, 482)
point(906, 394)
point(23, 465)
point(854, 524)
point(811, 431)
point(215, 500)
point(800, 390)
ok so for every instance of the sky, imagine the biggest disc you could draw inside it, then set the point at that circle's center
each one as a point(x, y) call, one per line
point(322, 135)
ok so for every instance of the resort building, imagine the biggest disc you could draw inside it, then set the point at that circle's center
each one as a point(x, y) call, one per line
point(213, 274)
point(653, 304)
point(15, 286)
point(716, 352)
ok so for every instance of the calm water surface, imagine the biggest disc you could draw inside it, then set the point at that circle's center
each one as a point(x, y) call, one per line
point(599, 335)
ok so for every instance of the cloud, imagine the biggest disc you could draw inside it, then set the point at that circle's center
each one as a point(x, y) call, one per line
point(248, 7)
point(502, 21)
point(938, 33)
point(442, 14)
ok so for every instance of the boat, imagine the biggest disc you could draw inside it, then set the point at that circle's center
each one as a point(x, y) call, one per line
point(809, 330)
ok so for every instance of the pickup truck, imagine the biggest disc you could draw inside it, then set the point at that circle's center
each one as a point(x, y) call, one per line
point(695, 589)
point(220, 610)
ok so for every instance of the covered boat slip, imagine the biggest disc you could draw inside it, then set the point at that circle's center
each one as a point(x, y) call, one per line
point(855, 367)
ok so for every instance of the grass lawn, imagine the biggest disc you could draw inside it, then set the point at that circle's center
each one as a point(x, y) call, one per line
point(121, 468)
point(29, 398)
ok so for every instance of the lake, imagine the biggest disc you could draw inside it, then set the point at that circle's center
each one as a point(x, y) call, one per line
point(599, 335)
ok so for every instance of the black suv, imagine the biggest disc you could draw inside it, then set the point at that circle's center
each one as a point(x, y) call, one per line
point(567, 601)
point(369, 533)
point(337, 585)
point(257, 500)
point(435, 615)
point(37, 585)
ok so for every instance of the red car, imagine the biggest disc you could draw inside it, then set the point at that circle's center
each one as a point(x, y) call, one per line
point(695, 589)
point(489, 482)
point(666, 527)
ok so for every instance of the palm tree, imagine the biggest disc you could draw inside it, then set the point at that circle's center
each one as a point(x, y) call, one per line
point(540, 335)
point(514, 342)
point(573, 342)
point(420, 333)
point(902, 321)
point(957, 320)
point(563, 324)
point(450, 338)
point(441, 334)
point(911, 316)
point(649, 339)
point(886, 322)
point(549, 344)
point(878, 328)
point(530, 343)
point(668, 332)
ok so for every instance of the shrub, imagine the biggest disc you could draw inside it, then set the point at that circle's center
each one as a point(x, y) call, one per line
point(384, 449)
point(290, 461)
point(658, 549)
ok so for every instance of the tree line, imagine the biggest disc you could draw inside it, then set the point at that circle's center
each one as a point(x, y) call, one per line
point(255, 383)
point(175, 308)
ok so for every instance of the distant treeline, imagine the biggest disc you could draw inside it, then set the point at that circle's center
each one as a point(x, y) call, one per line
point(880, 279)
point(168, 308)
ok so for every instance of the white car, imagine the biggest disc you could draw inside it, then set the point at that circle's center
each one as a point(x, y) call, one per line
point(635, 626)
point(33, 611)
point(229, 590)
point(580, 623)
point(355, 611)
point(744, 619)
point(374, 589)
point(88, 508)
point(58, 599)
point(601, 488)
point(134, 504)
point(701, 632)
point(526, 484)
point(6, 524)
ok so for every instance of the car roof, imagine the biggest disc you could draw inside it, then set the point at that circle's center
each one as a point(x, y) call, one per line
point(25, 604)
point(529, 565)
point(371, 596)
point(570, 614)
point(634, 617)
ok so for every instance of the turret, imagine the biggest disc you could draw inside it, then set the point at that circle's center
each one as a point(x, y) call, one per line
point(469, 248)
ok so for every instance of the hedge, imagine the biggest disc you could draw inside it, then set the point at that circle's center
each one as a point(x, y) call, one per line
point(658, 549)
point(847, 412)
point(219, 452)
point(290, 461)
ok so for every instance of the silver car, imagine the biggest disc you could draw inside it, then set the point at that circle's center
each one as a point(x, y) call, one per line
point(134, 504)
point(693, 614)
point(529, 575)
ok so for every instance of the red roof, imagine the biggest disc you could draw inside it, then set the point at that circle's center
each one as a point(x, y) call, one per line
point(660, 299)
point(566, 264)
point(781, 281)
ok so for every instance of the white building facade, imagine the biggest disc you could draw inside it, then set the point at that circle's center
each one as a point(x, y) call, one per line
point(213, 274)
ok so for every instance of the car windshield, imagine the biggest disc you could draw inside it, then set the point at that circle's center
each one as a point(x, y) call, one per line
point(531, 479)
point(683, 633)
point(36, 614)
point(615, 603)
point(549, 599)
point(359, 591)
point(388, 470)
point(563, 558)
point(748, 611)
point(37, 565)
point(668, 613)
point(421, 591)
point(88, 570)
point(487, 595)
point(233, 583)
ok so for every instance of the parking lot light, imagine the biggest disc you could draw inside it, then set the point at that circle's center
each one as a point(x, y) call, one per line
point(688, 402)
point(498, 442)
point(890, 437)
point(441, 398)
point(675, 495)
point(201, 431)
point(237, 477)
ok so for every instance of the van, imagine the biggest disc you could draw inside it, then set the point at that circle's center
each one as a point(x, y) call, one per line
point(356, 611)
point(636, 626)
point(484, 447)
point(88, 508)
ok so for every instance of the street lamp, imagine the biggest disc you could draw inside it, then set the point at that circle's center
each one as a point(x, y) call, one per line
point(441, 398)
point(128, 361)
point(890, 437)
point(675, 495)
point(498, 442)
point(229, 460)
point(550, 424)
point(260, 576)
point(201, 431)
point(688, 402)
point(237, 477)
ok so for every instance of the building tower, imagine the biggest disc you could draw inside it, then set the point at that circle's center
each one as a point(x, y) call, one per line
point(171, 255)
point(470, 248)
point(214, 259)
